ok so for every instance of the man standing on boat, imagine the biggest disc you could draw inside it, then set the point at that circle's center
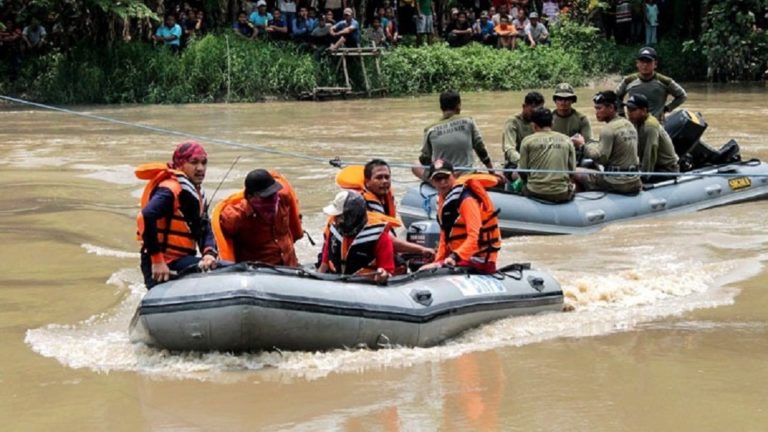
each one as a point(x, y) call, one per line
point(567, 120)
point(453, 138)
point(173, 221)
point(261, 223)
point(516, 129)
point(654, 86)
point(547, 150)
point(353, 244)
point(469, 227)
point(616, 150)
point(654, 145)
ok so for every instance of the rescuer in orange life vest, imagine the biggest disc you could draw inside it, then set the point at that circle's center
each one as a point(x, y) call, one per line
point(260, 223)
point(469, 229)
point(173, 221)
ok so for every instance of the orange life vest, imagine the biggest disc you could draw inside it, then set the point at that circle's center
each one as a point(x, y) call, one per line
point(453, 225)
point(226, 245)
point(353, 177)
point(358, 255)
point(173, 233)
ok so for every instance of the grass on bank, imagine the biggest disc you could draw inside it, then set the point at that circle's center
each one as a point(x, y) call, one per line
point(225, 68)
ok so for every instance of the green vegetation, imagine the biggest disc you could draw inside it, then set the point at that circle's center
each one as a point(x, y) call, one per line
point(226, 68)
point(734, 48)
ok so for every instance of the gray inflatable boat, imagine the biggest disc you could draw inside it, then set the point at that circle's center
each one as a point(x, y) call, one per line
point(250, 307)
point(589, 211)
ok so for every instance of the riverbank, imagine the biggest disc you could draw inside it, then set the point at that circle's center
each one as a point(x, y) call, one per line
point(224, 68)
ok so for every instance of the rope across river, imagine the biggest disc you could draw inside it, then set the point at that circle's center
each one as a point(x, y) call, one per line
point(337, 162)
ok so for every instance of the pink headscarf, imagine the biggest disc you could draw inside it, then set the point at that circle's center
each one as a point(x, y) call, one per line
point(187, 151)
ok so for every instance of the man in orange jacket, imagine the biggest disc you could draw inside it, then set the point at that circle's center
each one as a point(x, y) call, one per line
point(469, 229)
point(264, 224)
point(173, 221)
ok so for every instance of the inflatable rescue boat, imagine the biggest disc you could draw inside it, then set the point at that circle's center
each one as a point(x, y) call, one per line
point(251, 307)
point(711, 178)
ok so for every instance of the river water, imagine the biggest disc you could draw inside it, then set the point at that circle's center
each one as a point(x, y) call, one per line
point(668, 328)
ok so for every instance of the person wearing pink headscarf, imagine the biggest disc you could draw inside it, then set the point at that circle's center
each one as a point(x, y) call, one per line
point(173, 222)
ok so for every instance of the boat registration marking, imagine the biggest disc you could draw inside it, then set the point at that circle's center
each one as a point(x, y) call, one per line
point(477, 285)
point(737, 183)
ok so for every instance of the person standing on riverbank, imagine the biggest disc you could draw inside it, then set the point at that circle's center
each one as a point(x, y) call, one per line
point(453, 138)
point(169, 34)
point(173, 222)
point(651, 84)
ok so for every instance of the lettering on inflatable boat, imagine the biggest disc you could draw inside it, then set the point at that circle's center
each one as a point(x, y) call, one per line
point(477, 285)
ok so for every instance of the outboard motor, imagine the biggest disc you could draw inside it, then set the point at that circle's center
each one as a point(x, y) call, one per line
point(424, 233)
point(685, 129)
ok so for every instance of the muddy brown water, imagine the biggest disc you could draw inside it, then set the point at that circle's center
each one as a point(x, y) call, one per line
point(669, 329)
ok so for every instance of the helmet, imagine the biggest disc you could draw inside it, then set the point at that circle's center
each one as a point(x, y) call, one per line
point(354, 217)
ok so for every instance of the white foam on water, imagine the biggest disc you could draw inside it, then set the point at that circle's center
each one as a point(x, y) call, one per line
point(601, 304)
point(103, 251)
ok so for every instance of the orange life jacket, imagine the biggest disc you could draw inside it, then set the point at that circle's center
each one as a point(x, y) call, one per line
point(453, 225)
point(174, 236)
point(224, 244)
point(350, 256)
point(353, 177)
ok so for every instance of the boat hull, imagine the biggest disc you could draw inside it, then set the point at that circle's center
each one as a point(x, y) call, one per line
point(590, 211)
point(249, 309)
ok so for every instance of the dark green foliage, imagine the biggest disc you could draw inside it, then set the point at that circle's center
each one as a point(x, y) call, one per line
point(227, 68)
point(733, 48)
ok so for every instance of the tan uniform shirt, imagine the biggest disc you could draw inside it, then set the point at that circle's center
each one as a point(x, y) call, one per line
point(547, 150)
point(572, 124)
point(515, 130)
point(616, 150)
point(655, 148)
point(453, 139)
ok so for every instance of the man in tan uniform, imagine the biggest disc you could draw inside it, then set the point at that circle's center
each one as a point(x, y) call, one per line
point(616, 150)
point(651, 84)
point(454, 138)
point(566, 119)
point(654, 146)
point(547, 150)
point(517, 128)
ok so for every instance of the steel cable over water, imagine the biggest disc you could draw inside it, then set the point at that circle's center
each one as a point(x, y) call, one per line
point(337, 162)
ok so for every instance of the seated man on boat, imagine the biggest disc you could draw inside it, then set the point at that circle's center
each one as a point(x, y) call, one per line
point(616, 151)
point(654, 145)
point(567, 120)
point(453, 138)
point(547, 150)
point(260, 223)
point(375, 185)
point(516, 129)
point(469, 228)
point(173, 223)
point(353, 243)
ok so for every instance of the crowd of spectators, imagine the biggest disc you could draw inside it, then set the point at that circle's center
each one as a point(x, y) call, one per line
point(506, 24)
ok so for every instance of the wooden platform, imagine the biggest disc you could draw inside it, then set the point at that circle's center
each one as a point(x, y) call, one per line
point(321, 93)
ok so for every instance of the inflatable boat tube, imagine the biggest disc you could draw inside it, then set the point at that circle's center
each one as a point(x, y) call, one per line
point(589, 211)
point(250, 307)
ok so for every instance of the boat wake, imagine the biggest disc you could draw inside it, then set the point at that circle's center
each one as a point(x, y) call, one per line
point(597, 304)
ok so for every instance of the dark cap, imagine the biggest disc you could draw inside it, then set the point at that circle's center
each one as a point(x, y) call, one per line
point(439, 167)
point(637, 101)
point(262, 183)
point(647, 53)
point(607, 97)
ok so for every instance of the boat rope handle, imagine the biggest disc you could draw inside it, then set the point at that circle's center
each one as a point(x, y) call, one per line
point(338, 162)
